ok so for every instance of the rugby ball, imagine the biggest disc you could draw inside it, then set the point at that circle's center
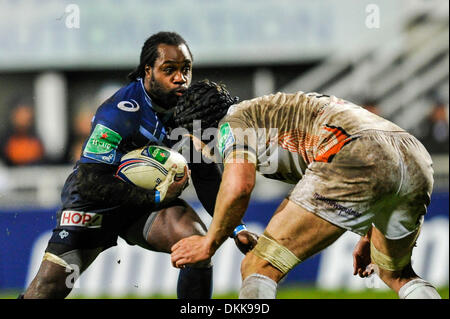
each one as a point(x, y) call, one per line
point(147, 167)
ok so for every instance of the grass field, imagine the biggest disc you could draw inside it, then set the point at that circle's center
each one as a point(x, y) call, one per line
point(314, 293)
point(286, 293)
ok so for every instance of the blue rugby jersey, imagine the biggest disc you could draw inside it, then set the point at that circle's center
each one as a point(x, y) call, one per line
point(124, 122)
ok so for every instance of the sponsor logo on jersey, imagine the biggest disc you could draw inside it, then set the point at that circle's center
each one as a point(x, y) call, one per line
point(226, 138)
point(128, 106)
point(80, 219)
point(102, 144)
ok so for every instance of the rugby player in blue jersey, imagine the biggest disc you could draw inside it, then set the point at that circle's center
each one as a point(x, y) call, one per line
point(98, 207)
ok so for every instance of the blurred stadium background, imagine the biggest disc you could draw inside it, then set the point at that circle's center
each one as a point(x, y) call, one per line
point(60, 59)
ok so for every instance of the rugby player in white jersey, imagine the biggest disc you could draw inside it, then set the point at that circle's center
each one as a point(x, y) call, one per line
point(352, 170)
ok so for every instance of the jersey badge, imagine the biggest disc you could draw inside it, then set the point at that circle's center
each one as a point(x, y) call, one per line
point(102, 144)
point(226, 138)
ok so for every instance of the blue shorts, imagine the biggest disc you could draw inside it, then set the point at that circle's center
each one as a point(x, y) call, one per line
point(99, 228)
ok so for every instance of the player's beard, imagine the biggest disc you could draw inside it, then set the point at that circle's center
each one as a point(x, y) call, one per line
point(164, 98)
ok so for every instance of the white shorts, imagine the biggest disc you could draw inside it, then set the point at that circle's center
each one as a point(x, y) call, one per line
point(383, 179)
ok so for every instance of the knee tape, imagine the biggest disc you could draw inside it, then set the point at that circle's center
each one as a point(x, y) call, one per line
point(56, 260)
point(387, 262)
point(277, 255)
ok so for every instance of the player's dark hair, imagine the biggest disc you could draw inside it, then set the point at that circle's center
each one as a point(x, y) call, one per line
point(206, 101)
point(149, 52)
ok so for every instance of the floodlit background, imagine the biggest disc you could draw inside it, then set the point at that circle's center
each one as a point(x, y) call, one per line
point(59, 60)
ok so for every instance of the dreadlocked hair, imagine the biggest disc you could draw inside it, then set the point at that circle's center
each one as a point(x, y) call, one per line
point(206, 101)
point(149, 51)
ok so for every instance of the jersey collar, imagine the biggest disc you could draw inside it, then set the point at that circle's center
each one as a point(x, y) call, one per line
point(152, 104)
point(146, 96)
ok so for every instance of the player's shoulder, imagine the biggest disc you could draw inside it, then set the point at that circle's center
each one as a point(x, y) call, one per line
point(248, 108)
point(127, 101)
point(122, 111)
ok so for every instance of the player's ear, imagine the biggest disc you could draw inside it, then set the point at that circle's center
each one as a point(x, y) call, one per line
point(148, 71)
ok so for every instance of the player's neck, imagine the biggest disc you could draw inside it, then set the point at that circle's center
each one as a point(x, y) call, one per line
point(160, 109)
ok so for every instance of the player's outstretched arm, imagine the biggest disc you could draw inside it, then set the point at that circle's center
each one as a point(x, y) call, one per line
point(206, 178)
point(235, 190)
point(232, 201)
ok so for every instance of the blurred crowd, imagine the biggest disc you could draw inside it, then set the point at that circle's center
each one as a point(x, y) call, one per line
point(20, 145)
point(435, 128)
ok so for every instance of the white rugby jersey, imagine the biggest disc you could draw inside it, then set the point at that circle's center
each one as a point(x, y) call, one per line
point(283, 133)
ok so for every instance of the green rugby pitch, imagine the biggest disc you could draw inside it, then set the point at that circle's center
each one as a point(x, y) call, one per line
point(283, 293)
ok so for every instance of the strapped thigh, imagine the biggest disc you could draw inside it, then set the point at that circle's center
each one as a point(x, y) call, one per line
point(277, 255)
point(392, 263)
point(389, 263)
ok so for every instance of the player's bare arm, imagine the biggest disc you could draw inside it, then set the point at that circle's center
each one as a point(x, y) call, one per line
point(233, 198)
point(232, 201)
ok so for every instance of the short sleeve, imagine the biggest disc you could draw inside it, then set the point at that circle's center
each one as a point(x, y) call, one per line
point(237, 142)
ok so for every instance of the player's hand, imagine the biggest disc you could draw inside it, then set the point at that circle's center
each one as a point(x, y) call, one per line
point(361, 258)
point(171, 189)
point(191, 250)
point(245, 241)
